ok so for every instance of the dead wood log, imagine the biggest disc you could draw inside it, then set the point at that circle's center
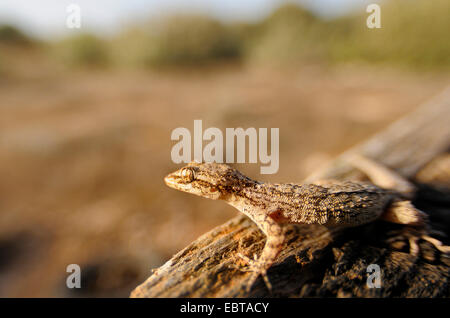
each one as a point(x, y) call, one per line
point(318, 263)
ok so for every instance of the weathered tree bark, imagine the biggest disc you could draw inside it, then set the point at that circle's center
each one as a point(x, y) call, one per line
point(316, 262)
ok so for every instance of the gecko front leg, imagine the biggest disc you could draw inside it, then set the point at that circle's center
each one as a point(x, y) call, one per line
point(275, 239)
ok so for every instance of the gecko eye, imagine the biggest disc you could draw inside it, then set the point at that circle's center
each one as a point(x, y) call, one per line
point(187, 174)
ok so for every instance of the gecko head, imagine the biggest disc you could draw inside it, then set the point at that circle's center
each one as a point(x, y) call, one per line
point(211, 180)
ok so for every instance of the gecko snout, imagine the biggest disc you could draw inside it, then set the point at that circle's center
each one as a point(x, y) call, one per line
point(195, 180)
point(169, 180)
point(180, 179)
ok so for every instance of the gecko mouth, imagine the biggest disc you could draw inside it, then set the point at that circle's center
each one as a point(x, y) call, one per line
point(174, 181)
point(170, 181)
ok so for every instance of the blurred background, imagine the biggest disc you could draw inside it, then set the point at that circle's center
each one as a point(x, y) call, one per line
point(86, 116)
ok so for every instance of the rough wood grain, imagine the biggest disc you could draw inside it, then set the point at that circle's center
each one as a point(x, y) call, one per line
point(316, 262)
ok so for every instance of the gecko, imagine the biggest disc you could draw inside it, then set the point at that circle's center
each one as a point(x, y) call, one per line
point(331, 203)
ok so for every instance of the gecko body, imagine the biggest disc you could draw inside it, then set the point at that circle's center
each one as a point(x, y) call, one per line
point(329, 203)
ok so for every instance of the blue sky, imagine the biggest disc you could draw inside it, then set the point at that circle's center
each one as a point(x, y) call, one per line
point(46, 18)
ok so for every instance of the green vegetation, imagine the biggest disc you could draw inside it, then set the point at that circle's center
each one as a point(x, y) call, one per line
point(82, 50)
point(10, 35)
point(192, 40)
point(288, 34)
point(178, 40)
point(414, 34)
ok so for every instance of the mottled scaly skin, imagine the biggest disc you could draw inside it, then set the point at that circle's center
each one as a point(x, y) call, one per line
point(333, 204)
point(329, 204)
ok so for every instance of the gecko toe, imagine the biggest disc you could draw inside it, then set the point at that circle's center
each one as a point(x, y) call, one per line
point(257, 269)
point(413, 246)
point(414, 235)
point(437, 244)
